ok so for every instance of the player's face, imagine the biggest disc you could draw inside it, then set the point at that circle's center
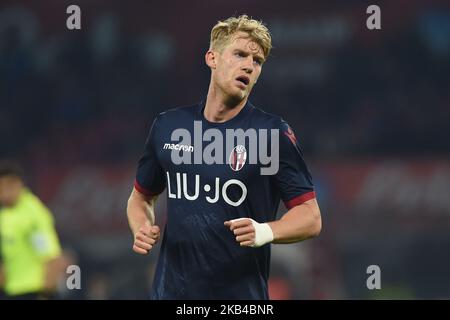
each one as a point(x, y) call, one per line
point(10, 188)
point(238, 67)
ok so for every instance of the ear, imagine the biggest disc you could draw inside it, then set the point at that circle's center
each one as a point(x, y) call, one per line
point(210, 59)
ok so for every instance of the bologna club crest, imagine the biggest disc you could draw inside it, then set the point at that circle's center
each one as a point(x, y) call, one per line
point(237, 157)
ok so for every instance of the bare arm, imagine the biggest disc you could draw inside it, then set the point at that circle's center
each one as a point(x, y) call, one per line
point(141, 218)
point(299, 223)
point(2, 277)
point(55, 269)
point(140, 210)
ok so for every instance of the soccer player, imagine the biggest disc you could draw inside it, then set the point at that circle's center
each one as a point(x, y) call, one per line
point(221, 216)
point(31, 262)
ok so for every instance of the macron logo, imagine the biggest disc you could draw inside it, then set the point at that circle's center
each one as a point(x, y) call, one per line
point(177, 147)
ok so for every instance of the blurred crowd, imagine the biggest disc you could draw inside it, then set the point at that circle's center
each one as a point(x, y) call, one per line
point(90, 95)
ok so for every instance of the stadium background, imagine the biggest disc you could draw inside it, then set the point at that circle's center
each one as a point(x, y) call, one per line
point(371, 109)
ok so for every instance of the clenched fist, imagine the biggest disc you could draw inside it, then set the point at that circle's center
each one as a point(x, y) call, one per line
point(146, 238)
point(249, 233)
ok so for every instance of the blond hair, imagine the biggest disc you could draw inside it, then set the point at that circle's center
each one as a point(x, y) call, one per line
point(222, 33)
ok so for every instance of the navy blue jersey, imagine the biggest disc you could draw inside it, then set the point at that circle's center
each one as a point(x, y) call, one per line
point(199, 257)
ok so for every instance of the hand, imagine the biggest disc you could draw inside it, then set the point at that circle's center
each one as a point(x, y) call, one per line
point(146, 238)
point(250, 233)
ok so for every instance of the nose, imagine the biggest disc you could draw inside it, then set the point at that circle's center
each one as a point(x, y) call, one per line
point(248, 65)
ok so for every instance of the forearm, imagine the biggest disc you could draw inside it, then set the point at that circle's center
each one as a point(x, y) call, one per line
point(140, 210)
point(299, 223)
point(53, 272)
point(2, 276)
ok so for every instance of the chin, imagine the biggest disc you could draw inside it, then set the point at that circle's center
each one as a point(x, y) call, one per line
point(234, 99)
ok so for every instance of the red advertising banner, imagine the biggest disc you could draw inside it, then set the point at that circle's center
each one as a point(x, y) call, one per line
point(94, 199)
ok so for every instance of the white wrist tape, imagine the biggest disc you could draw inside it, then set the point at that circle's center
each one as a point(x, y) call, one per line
point(263, 233)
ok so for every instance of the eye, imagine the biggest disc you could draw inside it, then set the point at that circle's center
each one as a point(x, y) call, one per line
point(258, 61)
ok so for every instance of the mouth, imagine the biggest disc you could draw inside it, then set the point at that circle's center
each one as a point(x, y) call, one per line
point(243, 79)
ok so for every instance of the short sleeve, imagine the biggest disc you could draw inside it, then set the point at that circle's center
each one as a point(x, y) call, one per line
point(150, 179)
point(43, 236)
point(293, 178)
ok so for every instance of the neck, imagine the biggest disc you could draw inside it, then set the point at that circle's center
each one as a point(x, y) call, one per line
point(219, 108)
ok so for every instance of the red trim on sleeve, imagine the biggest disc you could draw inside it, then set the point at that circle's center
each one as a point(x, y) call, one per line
point(142, 190)
point(300, 199)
